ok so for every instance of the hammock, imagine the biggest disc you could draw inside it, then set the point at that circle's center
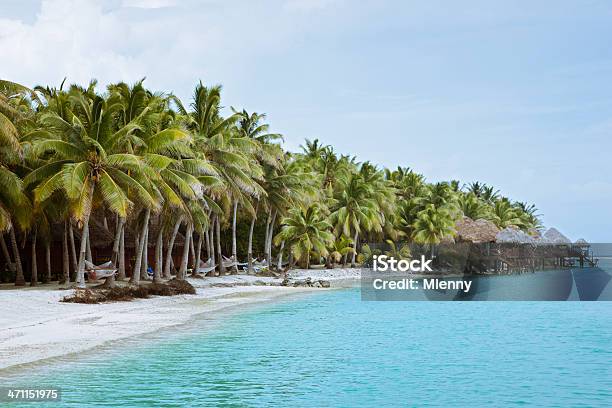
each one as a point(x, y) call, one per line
point(206, 267)
point(259, 266)
point(96, 272)
point(229, 262)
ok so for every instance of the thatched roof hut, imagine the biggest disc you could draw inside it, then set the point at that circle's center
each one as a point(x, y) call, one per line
point(514, 235)
point(553, 236)
point(478, 231)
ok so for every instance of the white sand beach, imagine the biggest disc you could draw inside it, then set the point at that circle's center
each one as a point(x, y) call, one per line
point(35, 325)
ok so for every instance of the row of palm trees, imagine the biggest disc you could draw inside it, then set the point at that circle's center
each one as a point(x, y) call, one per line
point(141, 166)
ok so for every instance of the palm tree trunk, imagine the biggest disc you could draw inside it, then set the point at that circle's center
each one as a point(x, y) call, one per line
point(110, 281)
point(19, 279)
point(354, 249)
point(270, 237)
point(234, 251)
point(65, 257)
point(80, 279)
point(177, 225)
point(136, 274)
point(268, 220)
point(121, 274)
point(280, 256)
point(137, 260)
point(250, 245)
point(144, 264)
point(47, 277)
point(196, 263)
point(219, 254)
point(89, 257)
point(34, 277)
point(213, 256)
point(75, 262)
point(7, 255)
point(185, 259)
point(308, 259)
point(207, 236)
point(291, 262)
point(192, 254)
point(117, 241)
point(159, 248)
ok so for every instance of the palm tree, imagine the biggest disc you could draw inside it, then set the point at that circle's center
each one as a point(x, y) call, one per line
point(287, 186)
point(473, 207)
point(71, 156)
point(84, 160)
point(505, 215)
point(217, 140)
point(15, 209)
point(431, 225)
point(340, 249)
point(408, 184)
point(398, 252)
point(355, 210)
point(366, 257)
point(305, 231)
point(313, 149)
point(529, 215)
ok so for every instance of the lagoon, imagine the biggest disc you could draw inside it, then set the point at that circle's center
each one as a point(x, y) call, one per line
point(332, 349)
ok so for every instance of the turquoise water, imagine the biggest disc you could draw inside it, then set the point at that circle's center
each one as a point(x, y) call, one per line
point(331, 349)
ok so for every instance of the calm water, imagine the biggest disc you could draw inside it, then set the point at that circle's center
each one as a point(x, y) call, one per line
point(332, 349)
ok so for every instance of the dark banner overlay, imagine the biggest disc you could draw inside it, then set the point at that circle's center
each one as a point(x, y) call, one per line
point(490, 271)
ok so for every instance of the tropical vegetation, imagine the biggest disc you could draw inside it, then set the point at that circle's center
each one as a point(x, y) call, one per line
point(158, 187)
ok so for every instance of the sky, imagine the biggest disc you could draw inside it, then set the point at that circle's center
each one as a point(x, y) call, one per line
point(515, 94)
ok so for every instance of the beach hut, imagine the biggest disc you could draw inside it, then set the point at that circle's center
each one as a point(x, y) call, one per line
point(479, 231)
point(513, 235)
point(553, 236)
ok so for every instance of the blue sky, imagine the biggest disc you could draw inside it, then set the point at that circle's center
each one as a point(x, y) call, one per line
point(515, 94)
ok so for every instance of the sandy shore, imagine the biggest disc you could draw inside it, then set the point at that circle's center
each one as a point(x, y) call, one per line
point(35, 325)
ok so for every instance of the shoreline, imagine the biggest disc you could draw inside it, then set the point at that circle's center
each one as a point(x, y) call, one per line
point(35, 326)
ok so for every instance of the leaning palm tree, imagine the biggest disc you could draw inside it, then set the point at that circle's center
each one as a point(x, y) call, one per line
point(85, 161)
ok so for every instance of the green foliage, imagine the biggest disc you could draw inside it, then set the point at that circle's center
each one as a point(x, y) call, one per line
point(402, 252)
point(305, 231)
point(73, 151)
point(366, 257)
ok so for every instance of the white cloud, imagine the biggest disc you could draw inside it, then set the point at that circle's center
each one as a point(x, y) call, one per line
point(149, 4)
point(83, 39)
point(69, 38)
